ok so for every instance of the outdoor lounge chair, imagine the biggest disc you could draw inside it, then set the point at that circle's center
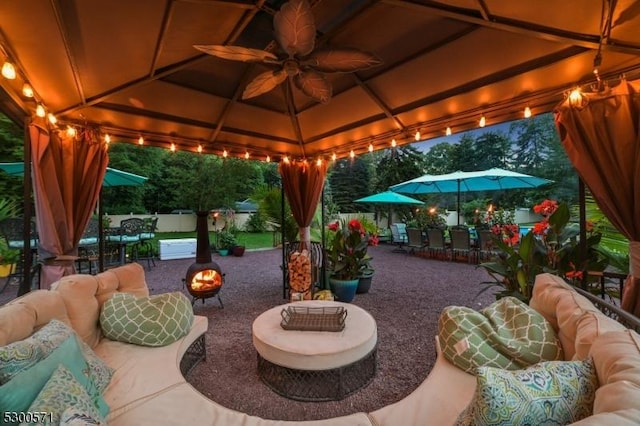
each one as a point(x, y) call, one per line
point(461, 244)
point(486, 247)
point(399, 237)
point(415, 240)
point(437, 243)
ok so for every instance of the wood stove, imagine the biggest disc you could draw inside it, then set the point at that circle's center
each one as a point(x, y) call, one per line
point(204, 278)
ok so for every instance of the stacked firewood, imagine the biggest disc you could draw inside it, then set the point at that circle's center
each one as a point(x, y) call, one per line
point(300, 275)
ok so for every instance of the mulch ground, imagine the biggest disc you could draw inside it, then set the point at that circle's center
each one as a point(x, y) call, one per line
point(406, 297)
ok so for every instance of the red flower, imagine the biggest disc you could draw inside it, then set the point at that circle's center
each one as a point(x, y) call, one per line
point(355, 225)
point(334, 226)
point(540, 228)
point(546, 208)
point(588, 226)
point(374, 240)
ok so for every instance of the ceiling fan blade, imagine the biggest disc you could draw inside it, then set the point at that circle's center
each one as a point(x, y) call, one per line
point(263, 83)
point(295, 28)
point(342, 60)
point(314, 85)
point(237, 53)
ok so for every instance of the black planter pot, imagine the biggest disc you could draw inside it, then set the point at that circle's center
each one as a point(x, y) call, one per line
point(238, 251)
point(364, 283)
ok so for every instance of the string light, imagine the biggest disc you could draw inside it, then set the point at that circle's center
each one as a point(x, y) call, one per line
point(173, 147)
point(52, 118)
point(575, 97)
point(417, 135)
point(27, 90)
point(200, 148)
point(319, 162)
point(40, 111)
point(246, 155)
point(8, 71)
point(483, 121)
point(352, 154)
point(370, 147)
point(140, 140)
point(527, 112)
point(107, 139)
point(285, 159)
point(71, 132)
point(268, 159)
point(225, 153)
point(334, 157)
point(393, 143)
point(448, 131)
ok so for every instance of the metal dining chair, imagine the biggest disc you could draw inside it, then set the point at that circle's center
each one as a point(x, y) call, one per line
point(415, 241)
point(437, 243)
point(461, 244)
point(12, 232)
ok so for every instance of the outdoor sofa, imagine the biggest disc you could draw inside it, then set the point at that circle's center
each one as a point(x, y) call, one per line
point(148, 386)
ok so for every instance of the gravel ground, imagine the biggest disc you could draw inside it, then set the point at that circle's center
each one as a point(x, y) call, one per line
point(406, 297)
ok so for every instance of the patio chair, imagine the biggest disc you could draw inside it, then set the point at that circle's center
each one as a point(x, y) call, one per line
point(146, 242)
point(415, 240)
point(128, 233)
point(88, 245)
point(486, 247)
point(399, 237)
point(461, 244)
point(437, 244)
point(11, 231)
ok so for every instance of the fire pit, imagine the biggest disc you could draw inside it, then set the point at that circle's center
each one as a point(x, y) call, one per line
point(204, 278)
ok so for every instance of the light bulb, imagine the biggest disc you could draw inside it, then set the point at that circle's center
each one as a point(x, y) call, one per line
point(225, 153)
point(27, 90)
point(107, 139)
point(448, 131)
point(200, 148)
point(9, 71)
point(268, 159)
point(285, 160)
point(393, 143)
point(334, 156)
point(527, 112)
point(352, 154)
point(246, 155)
point(575, 97)
point(417, 135)
point(140, 140)
point(173, 147)
point(71, 132)
point(319, 162)
point(40, 111)
point(52, 118)
point(483, 121)
point(370, 147)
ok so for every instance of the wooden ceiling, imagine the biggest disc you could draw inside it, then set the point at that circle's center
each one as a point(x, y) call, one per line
point(130, 68)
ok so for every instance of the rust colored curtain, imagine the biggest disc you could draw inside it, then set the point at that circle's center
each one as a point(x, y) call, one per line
point(67, 177)
point(302, 183)
point(601, 137)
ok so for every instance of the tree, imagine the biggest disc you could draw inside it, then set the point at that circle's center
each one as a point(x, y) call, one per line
point(463, 156)
point(350, 180)
point(491, 149)
point(532, 144)
point(11, 149)
point(438, 160)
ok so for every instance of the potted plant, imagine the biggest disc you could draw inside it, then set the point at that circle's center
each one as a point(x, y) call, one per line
point(551, 246)
point(226, 241)
point(8, 259)
point(346, 255)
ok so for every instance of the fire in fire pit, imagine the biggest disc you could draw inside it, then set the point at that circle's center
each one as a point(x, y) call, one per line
point(204, 278)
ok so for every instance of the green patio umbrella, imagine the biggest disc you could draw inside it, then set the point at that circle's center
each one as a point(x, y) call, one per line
point(113, 177)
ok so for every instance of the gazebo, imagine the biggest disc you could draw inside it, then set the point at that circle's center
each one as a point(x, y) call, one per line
point(327, 79)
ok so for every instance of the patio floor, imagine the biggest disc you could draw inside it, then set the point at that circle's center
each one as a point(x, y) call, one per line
point(406, 297)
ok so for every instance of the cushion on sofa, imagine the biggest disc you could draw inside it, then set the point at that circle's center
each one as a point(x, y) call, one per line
point(61, 393)
point(616, 356)
point(128, 278)
point(589, 327)
point(553, 392)
point(563, 307)
point(22, 389)
point(23, 354)
point(507, 334)
point(148, 321)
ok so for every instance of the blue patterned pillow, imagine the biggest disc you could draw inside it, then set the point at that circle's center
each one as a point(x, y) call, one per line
point(60, 393)
point(23, 354)
point(548, 393)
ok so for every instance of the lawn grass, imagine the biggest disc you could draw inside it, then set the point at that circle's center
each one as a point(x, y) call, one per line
point(251, 240)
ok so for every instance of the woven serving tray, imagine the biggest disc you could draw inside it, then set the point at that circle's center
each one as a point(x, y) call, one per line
point(306, 318)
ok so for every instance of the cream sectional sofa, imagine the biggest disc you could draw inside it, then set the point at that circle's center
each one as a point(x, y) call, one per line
point(148, 386)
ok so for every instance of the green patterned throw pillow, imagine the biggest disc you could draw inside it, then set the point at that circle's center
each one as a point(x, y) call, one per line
point(60, 393)
point(149, 320)
point(549, 393)
point(507, 334)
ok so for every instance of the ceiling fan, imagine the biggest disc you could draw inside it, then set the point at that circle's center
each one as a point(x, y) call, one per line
point(295, 32)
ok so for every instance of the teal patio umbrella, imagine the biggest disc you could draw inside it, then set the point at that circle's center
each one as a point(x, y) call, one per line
point(390, 198)
point(113, 177)
point(485, 180)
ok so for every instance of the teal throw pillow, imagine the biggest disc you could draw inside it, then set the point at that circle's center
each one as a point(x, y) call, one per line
point(507, 334)
point(61, 396)
point(23, 354)
point(148, 320)
point(22, 389)
point(549, 393)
